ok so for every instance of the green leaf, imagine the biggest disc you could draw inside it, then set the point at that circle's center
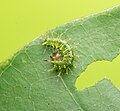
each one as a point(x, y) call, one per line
point(26, 84)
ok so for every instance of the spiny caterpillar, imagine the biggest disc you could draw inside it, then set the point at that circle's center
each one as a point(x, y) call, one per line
point(62, 56)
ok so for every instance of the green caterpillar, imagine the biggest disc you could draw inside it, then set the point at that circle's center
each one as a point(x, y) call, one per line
point(62, 56)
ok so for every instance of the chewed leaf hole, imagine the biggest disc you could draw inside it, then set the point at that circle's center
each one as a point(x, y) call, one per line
point(99, 70)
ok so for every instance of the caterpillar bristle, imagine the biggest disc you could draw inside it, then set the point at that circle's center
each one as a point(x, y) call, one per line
point(68, 40)
point(50, 70)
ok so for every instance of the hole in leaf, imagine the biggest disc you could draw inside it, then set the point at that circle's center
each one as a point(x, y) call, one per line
point(97, 71)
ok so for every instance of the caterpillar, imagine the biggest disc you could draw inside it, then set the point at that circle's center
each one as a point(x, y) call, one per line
point(62, 56)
